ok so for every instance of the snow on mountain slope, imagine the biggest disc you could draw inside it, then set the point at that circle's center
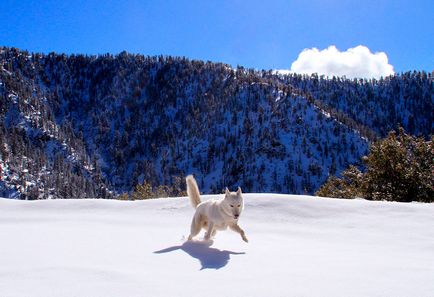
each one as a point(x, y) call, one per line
point(103, 124)
point(299, 246)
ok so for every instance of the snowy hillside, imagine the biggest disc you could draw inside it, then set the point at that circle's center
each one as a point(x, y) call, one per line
point(97, 126)
point(299, 246)
point(91, 124)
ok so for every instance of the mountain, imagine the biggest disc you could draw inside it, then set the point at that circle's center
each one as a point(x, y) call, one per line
point(381, 104)
point(96, 126)
point(298, 246)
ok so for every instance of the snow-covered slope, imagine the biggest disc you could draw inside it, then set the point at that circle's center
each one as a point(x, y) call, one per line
point(115, 122)
point(75, 126)
point(299, 246)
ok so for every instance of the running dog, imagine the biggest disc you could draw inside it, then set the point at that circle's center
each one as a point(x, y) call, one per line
point(213, 215)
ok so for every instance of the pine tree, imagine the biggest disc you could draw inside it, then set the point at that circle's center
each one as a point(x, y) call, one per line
point(142, 191)
point(398, 168)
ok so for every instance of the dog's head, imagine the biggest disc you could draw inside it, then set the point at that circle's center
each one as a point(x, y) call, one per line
point(234, 202)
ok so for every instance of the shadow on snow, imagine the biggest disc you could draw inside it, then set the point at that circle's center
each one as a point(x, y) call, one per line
point(209, 257)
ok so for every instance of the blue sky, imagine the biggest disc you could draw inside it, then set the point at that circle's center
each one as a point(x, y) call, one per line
point(259, 34)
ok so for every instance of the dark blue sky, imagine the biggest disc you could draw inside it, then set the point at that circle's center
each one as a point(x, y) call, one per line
point(258, 34)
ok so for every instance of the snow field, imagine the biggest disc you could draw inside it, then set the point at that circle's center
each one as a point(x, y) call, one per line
point(298, 246)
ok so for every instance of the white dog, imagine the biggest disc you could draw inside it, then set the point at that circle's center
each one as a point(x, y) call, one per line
point(213, 215)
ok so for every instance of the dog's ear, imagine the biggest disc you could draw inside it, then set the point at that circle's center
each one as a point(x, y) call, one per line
point(239, 191)
point(227, 191)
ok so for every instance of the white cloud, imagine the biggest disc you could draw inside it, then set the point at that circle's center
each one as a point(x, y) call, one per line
point(357, 62)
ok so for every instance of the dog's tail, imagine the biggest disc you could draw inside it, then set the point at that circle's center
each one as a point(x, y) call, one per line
point(193, 191)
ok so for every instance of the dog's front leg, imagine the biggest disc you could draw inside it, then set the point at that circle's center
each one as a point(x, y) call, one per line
point(209, 231)
point(238, 229)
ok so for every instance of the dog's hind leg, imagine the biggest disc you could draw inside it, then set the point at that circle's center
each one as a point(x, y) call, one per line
point(195, 227)
point(210, 231)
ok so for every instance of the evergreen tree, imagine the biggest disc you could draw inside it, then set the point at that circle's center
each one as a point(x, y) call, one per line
point(398, 168)
point(142, 191)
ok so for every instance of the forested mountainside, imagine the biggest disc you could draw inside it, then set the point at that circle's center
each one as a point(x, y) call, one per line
point(405, 100)
point(95, 126)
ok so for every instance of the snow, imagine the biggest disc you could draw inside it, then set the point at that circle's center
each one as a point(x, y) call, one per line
point(298, 246)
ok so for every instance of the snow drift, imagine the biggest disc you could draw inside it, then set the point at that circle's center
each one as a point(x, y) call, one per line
point(299, 246)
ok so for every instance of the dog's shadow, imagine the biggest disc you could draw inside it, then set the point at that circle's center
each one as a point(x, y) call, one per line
point(210, 258)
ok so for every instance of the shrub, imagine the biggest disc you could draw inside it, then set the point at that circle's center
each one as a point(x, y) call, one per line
point(143, 191)
point(146, 191)
point(399, 168)
point(346, 187)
